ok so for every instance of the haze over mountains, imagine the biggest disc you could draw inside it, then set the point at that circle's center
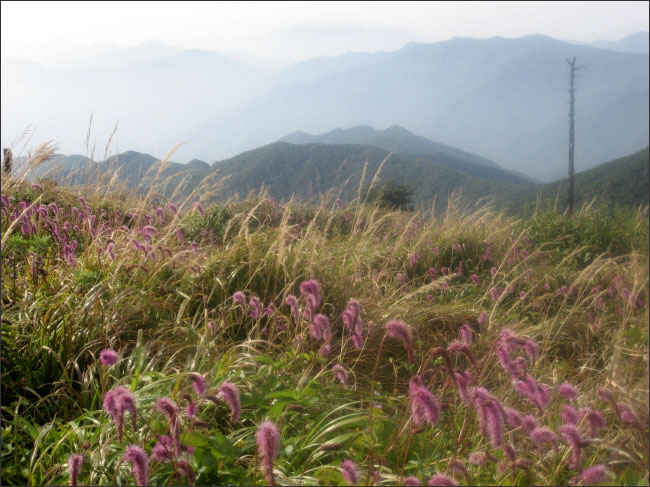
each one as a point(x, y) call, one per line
point(503, 100)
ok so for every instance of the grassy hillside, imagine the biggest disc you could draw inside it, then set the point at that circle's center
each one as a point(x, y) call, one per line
point(312, 169)
point(624, 182)
point(256, 343)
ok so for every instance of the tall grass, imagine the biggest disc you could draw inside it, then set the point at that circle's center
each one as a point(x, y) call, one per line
point(154, 281)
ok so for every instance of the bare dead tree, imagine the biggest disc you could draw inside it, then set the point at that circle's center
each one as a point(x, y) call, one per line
point(574, 68)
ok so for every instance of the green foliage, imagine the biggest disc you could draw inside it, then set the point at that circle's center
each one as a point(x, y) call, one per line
point(390, 194)
point(173, 314)
point(616, 231)
point(210, 225)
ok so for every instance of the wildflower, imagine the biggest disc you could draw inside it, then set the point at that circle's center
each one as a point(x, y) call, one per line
point(463, 380)
point(116, 402)
point(325, 350)
point(512, 417)
point(198, 384)
point(595, 474)
point(168, 408)
point(567, 391)
point(190, 409)
point(254, 308)
point(341, 374)
point(312, 291)
point(439, 479)
point(164, 449)
point(542, 435)
point(628, 416)
point(596, 421)
point(320, 327)
point(529, 423)
point(400, 331)
point(75, 465)
point(425, 408)
point(186, 470)
point(239, 298)
point(466, 333)
point(478, 458)
point(269, 310)
point(482, 318)
point(230, 394)
point(268, 442)
point(493, 271)
point(350, 472)
point(292, 302)
point(199, 208)
point(411, 481)
point(459, 468)
point(569, 415)
point(531, 348)
point(172, 207)
point(474, 279)
point(108, 357)
point(139, 464)
point(571, 435)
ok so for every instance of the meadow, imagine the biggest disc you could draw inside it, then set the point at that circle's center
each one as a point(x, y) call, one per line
point(263, 343)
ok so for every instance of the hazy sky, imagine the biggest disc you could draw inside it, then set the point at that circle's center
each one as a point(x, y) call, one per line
point(223, 25)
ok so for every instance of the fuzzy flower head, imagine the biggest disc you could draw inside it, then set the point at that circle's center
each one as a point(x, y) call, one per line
point(75, 465)
point(595, 474)
point(198, 384)
point(168, 408)
point(230, 394)
point(311, 290)
point(268, 444)
point(443, 480)
point(108, 357)
point(239, 298)
point(341, 374)
point(567, 391)
point(254, 308)
point(164, 450)
point(350, 472)
point(466, 334)
point(116, 402)
point(425, 408)
point(482, 318)
point(320, 328)
point(400, 331)
point(139, 464)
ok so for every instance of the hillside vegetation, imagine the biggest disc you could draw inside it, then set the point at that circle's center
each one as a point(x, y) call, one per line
point(622, 182)
point(258, 343)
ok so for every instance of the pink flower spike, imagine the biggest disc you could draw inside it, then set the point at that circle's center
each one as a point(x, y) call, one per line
point(198, 384)
point(425, 408)
point(569, 415)
point(108, 357)
point(482, 318)
point(350, 472)
point(268, 443)
point(466, 334)
point(567, 391)
point(596, 474)
point(400, 331)
point(341, 374)
point(230, 394)
point(75, 465)
point(443, 480)
point(139, 464)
